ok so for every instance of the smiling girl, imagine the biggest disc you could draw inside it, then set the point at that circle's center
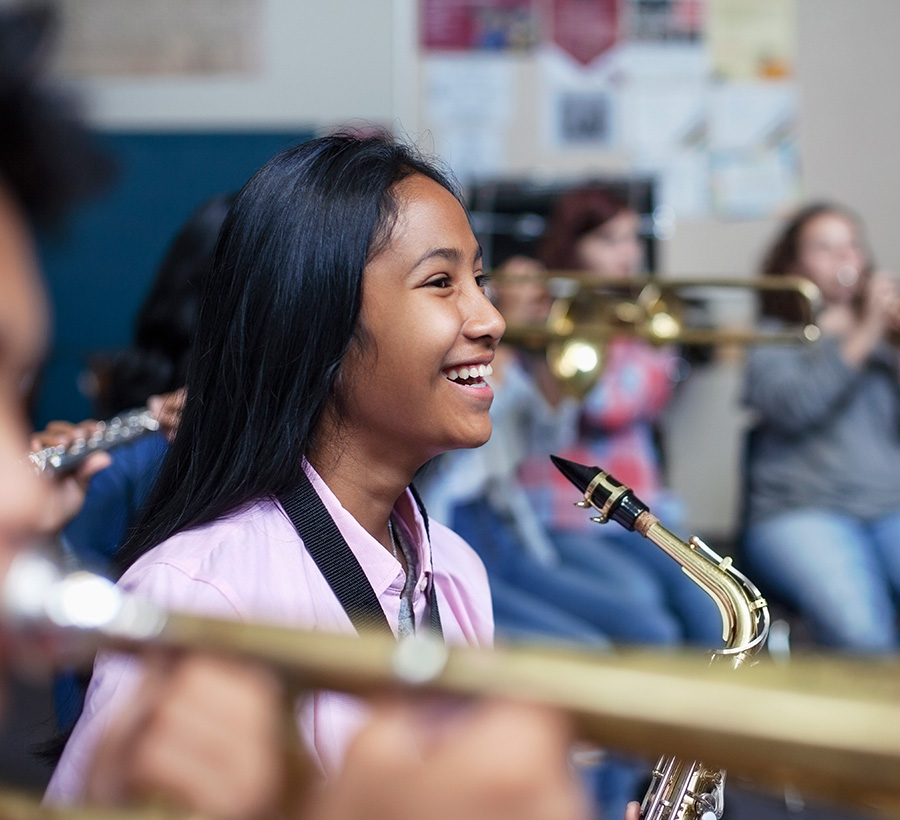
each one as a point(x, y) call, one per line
point(344, 343)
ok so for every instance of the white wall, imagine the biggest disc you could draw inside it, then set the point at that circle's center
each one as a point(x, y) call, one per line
point(341, 60)
point(323, 63)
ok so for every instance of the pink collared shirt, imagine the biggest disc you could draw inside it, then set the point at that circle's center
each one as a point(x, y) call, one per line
point(251, 566)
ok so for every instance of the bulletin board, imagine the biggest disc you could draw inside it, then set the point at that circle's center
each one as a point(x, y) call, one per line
point(699, 94)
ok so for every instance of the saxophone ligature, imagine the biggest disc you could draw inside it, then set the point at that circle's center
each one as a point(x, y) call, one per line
point(682, 789)
point(63, 458)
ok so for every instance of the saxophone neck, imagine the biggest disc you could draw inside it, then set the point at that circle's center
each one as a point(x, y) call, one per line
point(744, 611)
point(745, 618)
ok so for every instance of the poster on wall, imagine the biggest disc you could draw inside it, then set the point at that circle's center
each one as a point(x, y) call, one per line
point(754, 150)
point(664, 20)
point(752, 39)
point(579, 104)
point(754, 147)
point(700, 94)
point(665, 121)
point(470, 100)
point(478, 25)
point(584, 29)
point(166, 37)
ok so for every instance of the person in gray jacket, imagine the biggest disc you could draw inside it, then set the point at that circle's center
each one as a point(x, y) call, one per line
point(823, 459)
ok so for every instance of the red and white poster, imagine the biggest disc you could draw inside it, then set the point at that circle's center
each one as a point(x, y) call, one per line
point(478, 25)
point(585, 29)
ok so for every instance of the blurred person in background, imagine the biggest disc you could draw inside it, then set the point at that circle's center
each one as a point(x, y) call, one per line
point(823, 457)
point(150, 372)
point(594, 231)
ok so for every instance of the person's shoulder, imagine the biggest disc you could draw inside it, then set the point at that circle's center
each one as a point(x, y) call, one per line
point(141, 453)
point(463, 589)
point(237, 552)
point(453, 555)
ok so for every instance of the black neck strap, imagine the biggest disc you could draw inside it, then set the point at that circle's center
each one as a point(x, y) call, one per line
point(336, 561)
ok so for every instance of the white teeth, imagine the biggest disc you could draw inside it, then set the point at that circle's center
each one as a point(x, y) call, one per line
point(475, 371)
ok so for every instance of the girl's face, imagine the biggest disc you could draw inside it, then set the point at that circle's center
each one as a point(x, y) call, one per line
point(415, 386)
point(613, 249)
point(830, 254)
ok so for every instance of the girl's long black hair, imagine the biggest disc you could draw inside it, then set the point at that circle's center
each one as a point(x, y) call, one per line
point(278, 313)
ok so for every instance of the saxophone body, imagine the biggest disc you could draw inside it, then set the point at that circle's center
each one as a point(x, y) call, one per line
point(682, 789)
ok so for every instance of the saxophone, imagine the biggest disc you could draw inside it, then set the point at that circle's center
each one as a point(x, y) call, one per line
point(682, 789)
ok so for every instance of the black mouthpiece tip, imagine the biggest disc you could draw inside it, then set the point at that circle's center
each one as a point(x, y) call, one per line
point(578, 474)
point(616, 501)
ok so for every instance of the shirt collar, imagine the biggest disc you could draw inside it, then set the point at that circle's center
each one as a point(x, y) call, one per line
point(380, 567)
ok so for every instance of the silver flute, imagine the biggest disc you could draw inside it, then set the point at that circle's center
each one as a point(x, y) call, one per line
point(63, 458)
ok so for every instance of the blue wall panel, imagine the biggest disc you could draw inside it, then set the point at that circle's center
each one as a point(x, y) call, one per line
point(98, 272)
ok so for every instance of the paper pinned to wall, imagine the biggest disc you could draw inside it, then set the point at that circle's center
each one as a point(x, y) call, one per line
point(682, 182)
point(473, 25)
point(752, 39)
point(470, 88)
point(579, 104)
point(750, 115)
point(664, 20)
point(754, 150)
point(751, 185)
point(470, 99)
point(696, 93)
point(162, 37)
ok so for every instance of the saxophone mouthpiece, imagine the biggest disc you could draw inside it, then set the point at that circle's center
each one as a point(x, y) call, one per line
point(578, 474)
point(612, 499)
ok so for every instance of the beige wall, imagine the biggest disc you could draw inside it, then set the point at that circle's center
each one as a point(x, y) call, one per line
point(330, 62)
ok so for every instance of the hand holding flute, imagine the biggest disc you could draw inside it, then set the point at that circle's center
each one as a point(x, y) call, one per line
point(69, 454)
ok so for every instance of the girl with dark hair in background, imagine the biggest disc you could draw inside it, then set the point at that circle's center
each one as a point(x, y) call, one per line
point(594, 231)
point(823, 460)
point(343, 340)
point(150, 372)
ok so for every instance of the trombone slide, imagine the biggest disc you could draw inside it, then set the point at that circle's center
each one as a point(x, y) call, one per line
point(825, 725)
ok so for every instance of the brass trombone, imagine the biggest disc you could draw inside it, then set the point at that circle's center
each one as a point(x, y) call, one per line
point(821, 724)
point(587, 313)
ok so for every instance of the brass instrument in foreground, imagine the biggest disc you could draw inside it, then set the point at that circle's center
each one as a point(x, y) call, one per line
point(825, 725)
point(587, 313)
point(682, 789)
